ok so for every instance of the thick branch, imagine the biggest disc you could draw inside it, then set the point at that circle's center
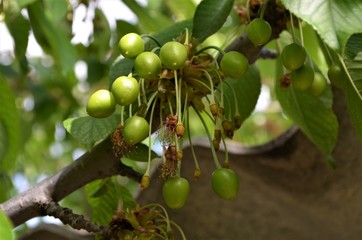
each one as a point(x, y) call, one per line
point(76, 221)
point(98, 164)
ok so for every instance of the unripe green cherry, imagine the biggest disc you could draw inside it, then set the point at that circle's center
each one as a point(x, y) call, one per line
point(319, 85)
point(131, 45)
point(101, 104)
point(175, 192)
point(135, 130)
point(225, 183)
point(336, 75)
point(259, 31)
point(293, 56)
point(125, 90)
point(234, 64)
point(303, 77)
point(147, 65)
point(173, 55)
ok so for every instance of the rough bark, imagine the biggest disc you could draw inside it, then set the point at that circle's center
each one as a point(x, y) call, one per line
point(289, 192)
point(97, 164)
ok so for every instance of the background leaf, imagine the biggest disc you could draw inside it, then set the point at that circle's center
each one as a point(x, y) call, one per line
point(51, 38)
point(19, 29)
point(209, 17)
point(6, 227)
point(9, 127)
point(105, 196)
point(334, 20)
point(89, 130)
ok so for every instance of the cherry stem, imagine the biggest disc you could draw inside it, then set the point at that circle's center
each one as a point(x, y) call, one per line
point(178, 96)
point(152, 38)
point(213, 151)
point(164, 211)
point(179, 229)
point(301, 32)
point(210, 47)
point(263, 9)
point(226, 160)
point(186, 36)
point(292, 28)
point(143, 89)
point(147, 173)
point(211, 85)
point(190, 140)
point(235, 98)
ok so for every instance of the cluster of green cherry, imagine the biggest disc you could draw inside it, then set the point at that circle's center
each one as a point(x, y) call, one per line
point(163, 85)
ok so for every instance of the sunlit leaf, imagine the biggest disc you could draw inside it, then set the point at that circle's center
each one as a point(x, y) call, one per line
point(9, 127)
point(209, 17)
point(334, 20)
point(6, 227)
point(315, 119)
point(89, 130)
point(182, 9)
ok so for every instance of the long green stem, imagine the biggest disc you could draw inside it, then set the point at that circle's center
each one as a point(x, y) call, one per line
point(197, 167)
point(263, 9)
point(213, 151)
point(147, 173)
point(301, 32)
point(178, 96)
point(292, 27)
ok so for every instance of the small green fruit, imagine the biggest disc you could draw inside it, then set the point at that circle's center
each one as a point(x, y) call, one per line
point(131, 45)
point(135, 130)
point(303, 77)
point(101, 104)
point(147, 65)
point(293, 56)
point(173, 55)
point(259, 31)
point(319, 85)
point(125, 90)
point(234, 64)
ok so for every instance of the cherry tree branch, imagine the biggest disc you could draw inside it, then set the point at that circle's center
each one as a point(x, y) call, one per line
point(97, 164)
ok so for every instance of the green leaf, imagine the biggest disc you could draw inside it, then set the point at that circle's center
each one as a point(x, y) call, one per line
point(105, 196)
point(314, 118)
point(23, 3)
point(182, 9)
point(101, 34)
point(121, 67)
point(89, 130)
point(140, 153)
point(353, 46)
point(48, 33)
point(334, 20)
point(149, 23)
point(9, 127)
point(6, 227)
point(209, 17)
point(19, 29)
point(247, 91)
point(352, 86)
point(6, 185)
point(57, 9)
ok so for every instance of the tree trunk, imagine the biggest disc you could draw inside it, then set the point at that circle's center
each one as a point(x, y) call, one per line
point(287, 193)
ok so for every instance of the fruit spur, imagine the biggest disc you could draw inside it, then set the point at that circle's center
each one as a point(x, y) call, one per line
point(164, 83)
